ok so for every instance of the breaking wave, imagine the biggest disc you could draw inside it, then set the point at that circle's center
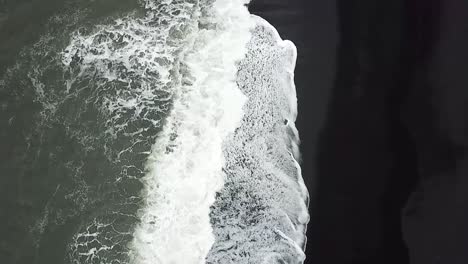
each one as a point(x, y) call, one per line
point(222, 183)
point(181, 118)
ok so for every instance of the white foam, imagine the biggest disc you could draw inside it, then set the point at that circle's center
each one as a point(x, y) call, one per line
point(135, 61)
point(136, 70)
point(222, 184)
point(260, 216)
point(185, 166)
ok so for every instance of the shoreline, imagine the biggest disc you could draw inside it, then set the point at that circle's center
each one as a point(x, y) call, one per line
point(313, 80)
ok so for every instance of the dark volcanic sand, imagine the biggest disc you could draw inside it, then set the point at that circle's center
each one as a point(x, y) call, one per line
point(382, 90)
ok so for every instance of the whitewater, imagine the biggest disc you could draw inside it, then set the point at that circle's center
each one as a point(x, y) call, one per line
point(192, 103)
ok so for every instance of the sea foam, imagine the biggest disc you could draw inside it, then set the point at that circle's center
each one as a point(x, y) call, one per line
point(222, 184)
point(260, 215)
point(185, 166)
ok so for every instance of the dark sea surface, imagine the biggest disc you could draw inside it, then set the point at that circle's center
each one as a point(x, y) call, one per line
point(59, 169)
point(83, 99)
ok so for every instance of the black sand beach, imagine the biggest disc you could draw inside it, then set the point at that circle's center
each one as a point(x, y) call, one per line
point(380, 91)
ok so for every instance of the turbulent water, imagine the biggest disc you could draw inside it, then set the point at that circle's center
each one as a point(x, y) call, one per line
point(161, 133)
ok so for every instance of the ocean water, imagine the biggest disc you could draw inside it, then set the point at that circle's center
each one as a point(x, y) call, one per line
point(155, 131)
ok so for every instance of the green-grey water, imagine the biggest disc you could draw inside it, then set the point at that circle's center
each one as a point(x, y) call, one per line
point(59, 170)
